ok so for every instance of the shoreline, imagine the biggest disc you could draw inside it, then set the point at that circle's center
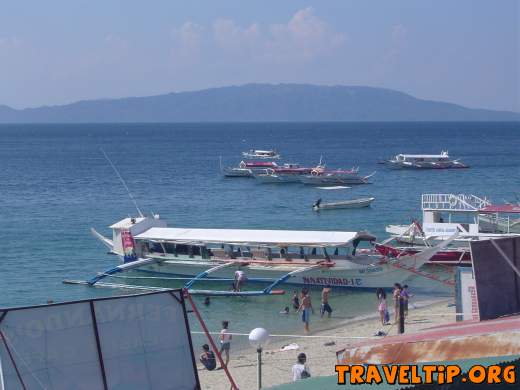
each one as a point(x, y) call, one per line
point(320, 347)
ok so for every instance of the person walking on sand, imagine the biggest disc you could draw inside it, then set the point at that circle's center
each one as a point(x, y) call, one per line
point(306, 309)
point(325, 307)
point(381, 308)
point(396, 296)
point(300, 369)
point(225, 341)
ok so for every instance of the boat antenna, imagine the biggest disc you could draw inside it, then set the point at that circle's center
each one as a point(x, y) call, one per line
point(123, 182)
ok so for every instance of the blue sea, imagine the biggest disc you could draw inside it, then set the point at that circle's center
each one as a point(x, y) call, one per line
point(55, 185)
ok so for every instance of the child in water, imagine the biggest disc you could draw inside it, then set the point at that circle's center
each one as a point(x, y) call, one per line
point(295, 301)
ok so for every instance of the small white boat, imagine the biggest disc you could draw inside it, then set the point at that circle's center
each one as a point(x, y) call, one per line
point(264, 154)
point(345, 204)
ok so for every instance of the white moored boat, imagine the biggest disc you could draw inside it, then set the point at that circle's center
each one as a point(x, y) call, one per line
point(345, 204)
point(313, 258)
point(263, 154)
point(424, 161)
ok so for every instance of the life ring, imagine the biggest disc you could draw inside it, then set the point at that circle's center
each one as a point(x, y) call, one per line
point(314, 172)
point(453, 200)
point(269, 171)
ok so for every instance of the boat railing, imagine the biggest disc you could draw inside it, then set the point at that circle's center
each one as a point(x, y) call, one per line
point(453, 202)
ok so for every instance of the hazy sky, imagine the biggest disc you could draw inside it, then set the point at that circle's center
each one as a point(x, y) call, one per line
point(59, 51)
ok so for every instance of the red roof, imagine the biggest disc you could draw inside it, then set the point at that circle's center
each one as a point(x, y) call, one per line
point(501, 208)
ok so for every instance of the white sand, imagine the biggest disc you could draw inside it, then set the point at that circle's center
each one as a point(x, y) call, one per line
point(321, 359)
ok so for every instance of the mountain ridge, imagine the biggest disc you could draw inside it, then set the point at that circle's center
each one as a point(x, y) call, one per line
point(258, 103)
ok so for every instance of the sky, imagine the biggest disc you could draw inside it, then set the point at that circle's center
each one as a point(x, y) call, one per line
point(60, 51)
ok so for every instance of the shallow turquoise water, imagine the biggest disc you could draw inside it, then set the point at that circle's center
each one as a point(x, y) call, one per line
point(55, 184)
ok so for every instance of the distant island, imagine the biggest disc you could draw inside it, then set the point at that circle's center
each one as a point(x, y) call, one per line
point(259, 103)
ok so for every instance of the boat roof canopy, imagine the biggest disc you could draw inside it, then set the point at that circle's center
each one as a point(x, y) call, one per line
point(424, 155)
point(278, 238)
point(127, 223)
point(501, 208)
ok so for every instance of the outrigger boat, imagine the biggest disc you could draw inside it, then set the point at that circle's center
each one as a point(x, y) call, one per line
point(424, 161)
point(335, 178)
point(264, 154)
point(312, 258)
point(248, 168)
point(473, 218)
point(287, 173)
point(344, 204)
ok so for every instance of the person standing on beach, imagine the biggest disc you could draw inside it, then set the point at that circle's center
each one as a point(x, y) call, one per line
point(381, 298)
point(306, 309)
point(396, 296)
point(225, 340)
point(300, 369)
point(325, 307)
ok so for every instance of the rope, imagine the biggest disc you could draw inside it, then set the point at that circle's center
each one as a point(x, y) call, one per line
point(292, 335)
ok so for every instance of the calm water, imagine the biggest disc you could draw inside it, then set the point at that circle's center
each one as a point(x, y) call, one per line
point(55, 184)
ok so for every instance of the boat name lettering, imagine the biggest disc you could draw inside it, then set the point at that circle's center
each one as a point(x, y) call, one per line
point(333, 281)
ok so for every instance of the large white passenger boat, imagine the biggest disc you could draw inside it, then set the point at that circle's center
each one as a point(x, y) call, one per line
point(313, 258)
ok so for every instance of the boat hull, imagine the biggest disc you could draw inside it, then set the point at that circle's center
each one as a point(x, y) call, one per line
point(274, 179)
point(331, 180)
point(349, 276)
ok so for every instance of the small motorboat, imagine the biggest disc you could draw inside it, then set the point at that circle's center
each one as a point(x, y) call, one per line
point(344, 204)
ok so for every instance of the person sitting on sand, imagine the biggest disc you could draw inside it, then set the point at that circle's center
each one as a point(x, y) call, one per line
point(207, 358)
point(396, 296)
point(225, 340)
point(381, 298)
point(325, 307)
point(306, 309)
point(300, 370)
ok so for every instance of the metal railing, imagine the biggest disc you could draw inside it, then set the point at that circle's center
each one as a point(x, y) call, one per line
point(453, 202)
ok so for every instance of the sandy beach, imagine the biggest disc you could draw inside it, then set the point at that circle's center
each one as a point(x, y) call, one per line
point(321, 355)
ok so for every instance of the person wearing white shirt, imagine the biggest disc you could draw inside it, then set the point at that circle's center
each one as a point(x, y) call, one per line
point(300, 369)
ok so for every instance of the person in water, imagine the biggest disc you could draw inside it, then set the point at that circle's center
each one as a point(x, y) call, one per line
point(285, 310)
point(295, 301)
point(207, 301)
point(306, 309)
point(325, 307)
point(207, 358)
point(240, 279)
point(381, 308)
point(225, 340)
